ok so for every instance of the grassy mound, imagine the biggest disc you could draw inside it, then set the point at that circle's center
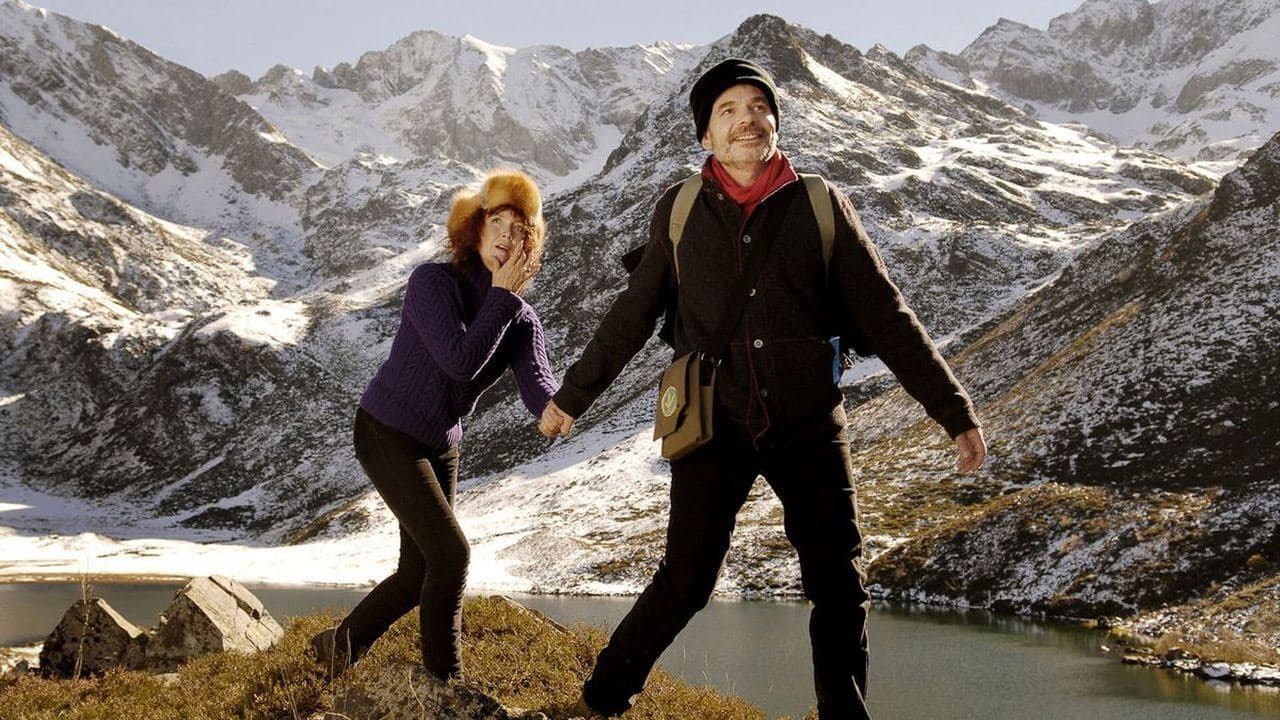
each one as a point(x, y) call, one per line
point(508, 652)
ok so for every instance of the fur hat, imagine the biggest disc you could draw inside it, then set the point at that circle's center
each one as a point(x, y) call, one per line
point(500, 187)
point(722, 77)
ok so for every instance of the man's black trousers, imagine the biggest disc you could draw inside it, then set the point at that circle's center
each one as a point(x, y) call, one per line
point(814, 481)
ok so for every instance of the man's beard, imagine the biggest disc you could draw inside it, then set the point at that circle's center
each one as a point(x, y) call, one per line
point(740, 156)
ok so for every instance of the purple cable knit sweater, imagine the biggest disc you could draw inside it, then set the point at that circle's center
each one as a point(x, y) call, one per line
point(457, 335)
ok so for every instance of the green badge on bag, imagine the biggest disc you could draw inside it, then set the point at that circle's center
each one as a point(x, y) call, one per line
point(668, 401)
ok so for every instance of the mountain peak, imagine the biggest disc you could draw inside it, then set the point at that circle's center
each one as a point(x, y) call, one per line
point(278, 72)
point(24, 6)
point(769, 40)
point(1190, 78)
point(486, 47)
point(1105, 25)
point(1005, 23)
point(762, 22)
point(233, 82)
point(1003, 31)
point(19, 14)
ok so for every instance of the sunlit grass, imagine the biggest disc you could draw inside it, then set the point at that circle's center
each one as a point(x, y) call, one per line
point(509, 652)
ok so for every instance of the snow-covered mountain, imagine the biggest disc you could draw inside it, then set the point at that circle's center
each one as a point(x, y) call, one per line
point(400, 128)
point(161, 427)
point(151, 132)
point(404, 127)
point(1136, 434)
point(462, 98)
point(167, 384)
point(228, 429)
point(1194, 79)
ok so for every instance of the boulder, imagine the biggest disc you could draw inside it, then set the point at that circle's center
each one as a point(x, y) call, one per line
point(95, 634)
point(406, 691)
point(210, 615)
point(516, 607)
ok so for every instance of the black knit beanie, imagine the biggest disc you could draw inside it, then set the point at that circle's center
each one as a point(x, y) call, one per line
point(722, 77)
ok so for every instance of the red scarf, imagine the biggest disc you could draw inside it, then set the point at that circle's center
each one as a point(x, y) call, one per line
point(777, 172)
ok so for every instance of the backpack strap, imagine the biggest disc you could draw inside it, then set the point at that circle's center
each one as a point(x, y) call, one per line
point(680, 214)
point(820, 199)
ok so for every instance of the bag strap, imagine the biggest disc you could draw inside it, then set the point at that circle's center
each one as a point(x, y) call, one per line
point(820, 200)
point(745, 282)
point(685, 198)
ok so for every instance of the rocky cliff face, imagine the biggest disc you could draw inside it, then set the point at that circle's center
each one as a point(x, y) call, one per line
point(1125, 422)
point(154, 133)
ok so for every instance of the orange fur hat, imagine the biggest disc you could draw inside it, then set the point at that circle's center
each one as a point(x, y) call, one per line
point(500, 187)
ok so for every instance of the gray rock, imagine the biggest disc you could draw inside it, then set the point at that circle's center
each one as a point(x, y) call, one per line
point(406, 691)
point(517, 607)
point(1199, 88)
point(1216, 670)
point(210, 615)
point(93, 633)
point(233, 82)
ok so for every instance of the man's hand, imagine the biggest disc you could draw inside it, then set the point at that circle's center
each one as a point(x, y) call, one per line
point(555, 422)
point(971, 449)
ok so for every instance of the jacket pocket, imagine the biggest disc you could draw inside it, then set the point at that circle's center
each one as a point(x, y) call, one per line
point(804, 378)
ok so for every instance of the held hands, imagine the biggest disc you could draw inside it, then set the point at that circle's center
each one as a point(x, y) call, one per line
point(516, 272)
point(555, 422)
point(971, 450)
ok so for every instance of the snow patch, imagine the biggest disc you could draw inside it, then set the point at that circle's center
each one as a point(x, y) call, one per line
point(272, 323)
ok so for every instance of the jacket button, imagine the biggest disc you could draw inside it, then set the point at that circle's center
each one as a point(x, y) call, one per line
point(764, 392)
point(752, 293)
point(746, 239)
point(719, 196)
point(758, 343)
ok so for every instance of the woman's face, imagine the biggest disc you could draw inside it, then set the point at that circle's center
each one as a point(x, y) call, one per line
point(501, 236)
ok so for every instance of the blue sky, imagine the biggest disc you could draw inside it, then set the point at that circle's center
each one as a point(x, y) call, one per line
point(211, 36)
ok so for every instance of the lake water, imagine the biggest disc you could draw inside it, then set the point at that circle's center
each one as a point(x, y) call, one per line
point(933, 665)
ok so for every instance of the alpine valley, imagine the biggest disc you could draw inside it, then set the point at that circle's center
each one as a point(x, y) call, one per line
point(200, 275)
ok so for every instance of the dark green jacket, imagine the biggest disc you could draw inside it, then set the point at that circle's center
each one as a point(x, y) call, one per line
point(776, 379)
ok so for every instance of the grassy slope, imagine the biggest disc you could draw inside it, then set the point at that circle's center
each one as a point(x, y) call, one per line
point(510, 653)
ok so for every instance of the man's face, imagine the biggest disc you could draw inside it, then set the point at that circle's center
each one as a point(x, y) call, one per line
point(742, 130)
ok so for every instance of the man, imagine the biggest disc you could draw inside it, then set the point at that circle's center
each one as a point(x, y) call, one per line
point(777, 412)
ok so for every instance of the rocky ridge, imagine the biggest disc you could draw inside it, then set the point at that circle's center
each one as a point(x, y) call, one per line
point(1195, 79)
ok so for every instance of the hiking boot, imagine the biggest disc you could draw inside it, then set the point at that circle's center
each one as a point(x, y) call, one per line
point(329, 656)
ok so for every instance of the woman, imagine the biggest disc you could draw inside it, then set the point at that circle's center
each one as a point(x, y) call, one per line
point(463, 323)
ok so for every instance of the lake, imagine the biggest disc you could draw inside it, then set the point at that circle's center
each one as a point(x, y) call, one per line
point(924, 663)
